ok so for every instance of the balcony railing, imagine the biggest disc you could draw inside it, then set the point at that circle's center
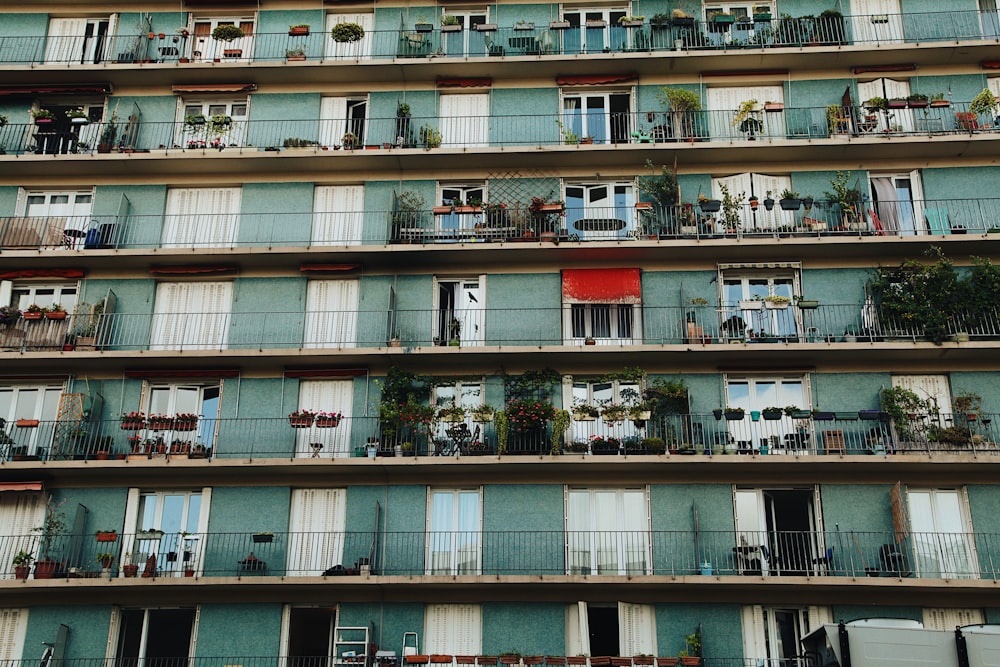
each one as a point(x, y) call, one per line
point(902, 554)
point(601, 128)
point(752, 323)
point(523, 40)
point(822, 433)
point(929, 217)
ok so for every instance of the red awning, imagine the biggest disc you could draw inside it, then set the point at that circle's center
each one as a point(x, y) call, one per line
point(906, 67)
point(42, 273)
point(56, 89)
point(20, 486)
point(192, 270)
point(990, 64)
point(601, 286)
point(595, 80)
point(199, 373)
point(327, 268)
point(326, 373)
point(481, 82)
point(214, 88)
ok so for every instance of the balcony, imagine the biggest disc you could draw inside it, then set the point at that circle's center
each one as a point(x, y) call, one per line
point(526, 40)
point(339, 230)
point(626, 554)
point(205, 437)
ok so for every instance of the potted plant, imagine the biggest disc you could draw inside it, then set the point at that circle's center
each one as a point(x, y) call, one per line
point(77, 117)
point(450, 23)
point(347, 32)
point(43, 117)
point(897, 103)
point(776, 302)
point(772, 413)
point(614, 412)
point(708, 205)
point(691, 655)
point(806, 304)
point(967, 405)
point(227, 32)
point(106, 535)
point(482, 414)
point(55, 312)
point(53, 525)
point(106, 559)
point(301, 418)
point(631, 21)
point(33, 312)
point(297, 53)
point(659, 21)
point(328, 419)
point(133, 421)
point(596, 24)
point(22, 564)
point(452, 414)
point(733, 414)
point(984, 103)
point(559, 25)
point(129, 569)
point(917, 101)
point(348, 140)
point(654, 446)
point(423, 25)
point(185, 421)
point(584, 412)
point(877, 104)
point(681, 19)
point(298, 30)
point(600, 444)
point(790, 200)
point(938, 100)
point(9, 315)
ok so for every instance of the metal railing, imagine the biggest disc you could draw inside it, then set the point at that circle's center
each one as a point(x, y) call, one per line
point(751, 323)
point(752, 433)
point(925, 555)
point(764, 219)
point(524, 40)
point(321, 135)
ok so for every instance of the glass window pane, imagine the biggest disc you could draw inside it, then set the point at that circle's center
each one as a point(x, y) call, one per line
point(172, 519)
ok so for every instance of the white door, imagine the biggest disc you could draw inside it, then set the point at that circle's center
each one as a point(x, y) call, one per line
point(316, 531)
point(892, 119)
point(331, 314)
point(361, 49)
point(330, 396)
point(209, 135)
point(607, 531)
point(29, 402)
point(465, 120)
point(724, 102)
point(453, 531)
point(340, 115)
point(769, 534)
point(19, 514)
point(461, 311)
point(636, 629)
point(943, 543)
point(898, 203)
point(876, 21)
point(773, 635)
point(191, 316)
point(932, 387)
point(59, 211)
point(599, 211)
point(205, 48)
point(182, 516)
point(453, 629)
point(338, 214)
point(78, 40)
point(201, 217)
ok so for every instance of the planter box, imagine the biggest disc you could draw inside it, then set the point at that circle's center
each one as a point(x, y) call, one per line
point(684, 22)
point(451, 28)
point(872, 415)
point(423, 27)
point(107, 536)
point(918, 104)
point(897, 103)
point(939, 103)
point(733, 415)
point(772, 415)
point(807, 304)
point(297, 31)
point(776, 305)
point(442, 210)
point(300, 422)
point(549, 208)
point(710, 206)
point(790, 204)
point(262, 538)
point(559, 25)
point(773, 107)
point(823, 416)
point(26, 423)
point(524, 26)
point(597, 23)
point(32, 316)
point(631, 24)
point(583, 417)
point(724, 18)
point(644, 205)
point(59, 315)
point(749, 304)
point(232, 53)
point(486, 27)
point(132, 425)
point(327, 422)
point(800, 414)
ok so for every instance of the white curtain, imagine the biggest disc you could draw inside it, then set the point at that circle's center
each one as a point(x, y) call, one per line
point(19, 514)
point(362, 49)
point(331, 314)
point(887, 208)
point(453, 629)
point(325, 396)
point(201, 217)
point(316, 531)
point(465, 120)
point(192, 316)
point(64, 42)
point(338, 214)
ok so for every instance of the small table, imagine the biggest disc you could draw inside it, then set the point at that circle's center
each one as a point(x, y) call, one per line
point(71, 237)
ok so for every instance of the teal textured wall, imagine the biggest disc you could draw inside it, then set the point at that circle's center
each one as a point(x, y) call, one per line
point(276, 212)
point(267, 309)
point(292, 115)
point(259, 629)
point(88, 626)
point(508, 294)
point(523, 508)
point(531, 629)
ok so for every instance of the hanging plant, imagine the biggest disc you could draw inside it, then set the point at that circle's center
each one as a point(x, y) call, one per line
point(347, 32)
point(227, 32)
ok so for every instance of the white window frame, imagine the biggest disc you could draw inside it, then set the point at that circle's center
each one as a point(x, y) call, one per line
point(115, 627)
point(359, 50)
point(581, 390)
point(182, 542)
point(207, 431)
point(57, 224)
point(45, 408)
point(612, 211)
point(20, 513)
point(752, 433)
point(586, 313)
point(783, 323)
point(599, 547)
point(899, 209)
point(186, 328)
point(761, 636)
point(609, 13)
point(750, 538)
point(332, 313)
point(326, 395)
point(207, 49)
point(13, 628)
point(469, 316)
point(237, 108)
point(637, 637)
point(452, 222)
point(604, 132)
point(317, 525)
point(468, 41)
point(954, 552)
point(202, 217)
point(451, 544)
point(339, 115)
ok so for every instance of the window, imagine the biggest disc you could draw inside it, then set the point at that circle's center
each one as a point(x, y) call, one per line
point(13, 626)
point(772, 635)
point(898, 203)
point(947, 618)
point(600, 211)
point(465, 118)
point(316, 531)
point(153, 637)
point(603, 117)
point(453, 531)
point(745, 311)
point(213, 134)
point(193, 316)
point(599, 306)
point(725, 102)
point(891, 119)
point(597, 38)
point(878, 22)
point(778, 531)
point(83, 40)
point(607, 531)
point(453, 629)
point(331, 314)
point(39, 402)
point(325, 396)
point(990, 20)
point(338, 214)
point(465, 393)
point(783, 436)
point(23, 295)
point(52, 218)
point(308, 635)
point(601, 628)
point(599, 394)
point(943, 544)
point(206, 48)
point(202, 217)
point(460, 311)
point(934, 388)
point(19, 514)
point(362, 49)
point(461, 194)
point(340, 115)
point(193, 399)
point(181, 515)
point(468, 41)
